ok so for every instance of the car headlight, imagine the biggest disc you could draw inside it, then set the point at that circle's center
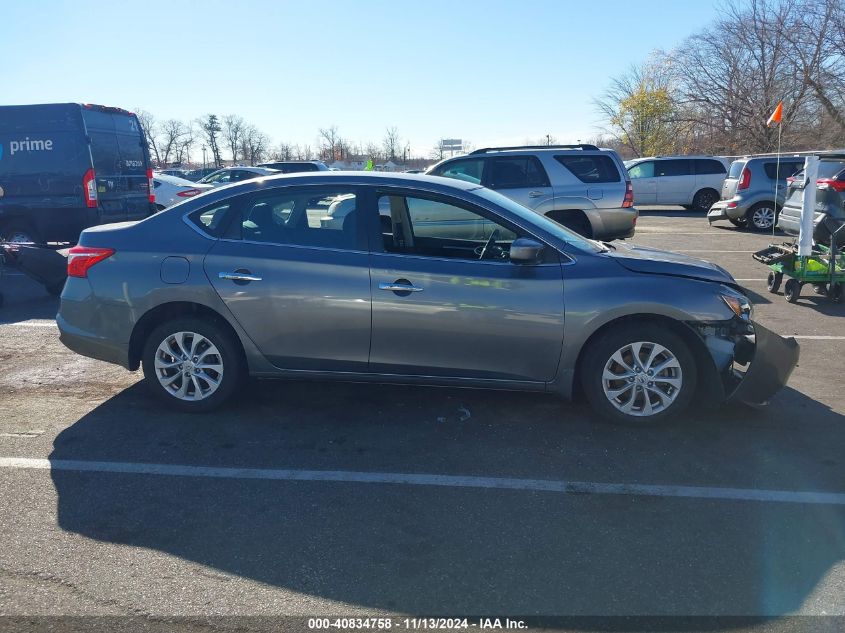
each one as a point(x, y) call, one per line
point(739, 305)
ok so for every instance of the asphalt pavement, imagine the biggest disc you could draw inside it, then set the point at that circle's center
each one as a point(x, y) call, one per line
point(349, 499)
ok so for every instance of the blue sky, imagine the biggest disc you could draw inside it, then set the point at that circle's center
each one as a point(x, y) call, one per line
point(489, 71)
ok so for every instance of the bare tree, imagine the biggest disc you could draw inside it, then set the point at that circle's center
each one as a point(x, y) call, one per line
point(732, 75)
point(210, 128)
point(329, 139)
point(284, 151)
point(391, 142)
point(149, 126)
point(373, 151)
point(233, 131)
point(254, 144)
point(172, 133)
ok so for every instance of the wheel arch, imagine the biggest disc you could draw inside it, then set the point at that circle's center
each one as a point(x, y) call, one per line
point(171, 310)
point(709, 383)
point(573, 216)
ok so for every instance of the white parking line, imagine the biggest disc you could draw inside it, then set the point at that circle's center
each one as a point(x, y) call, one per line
point(818, 338)
point(30, 324)
point(706, 250)
point(420, 479)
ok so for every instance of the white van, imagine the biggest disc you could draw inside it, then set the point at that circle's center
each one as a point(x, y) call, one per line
point(693, 182)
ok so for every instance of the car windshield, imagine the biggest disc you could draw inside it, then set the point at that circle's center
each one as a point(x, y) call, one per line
point(535, 219)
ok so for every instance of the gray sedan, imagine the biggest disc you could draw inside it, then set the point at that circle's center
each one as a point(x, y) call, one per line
point(408, 279)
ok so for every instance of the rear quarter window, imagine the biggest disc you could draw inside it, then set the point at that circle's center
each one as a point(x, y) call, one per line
point(591, 168)
point(211, 219)
point(786, 169)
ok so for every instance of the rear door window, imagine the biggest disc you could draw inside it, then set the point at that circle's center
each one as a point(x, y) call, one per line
point(705, 166)
point(513, 172)
point(679, 167)
point(594, 168)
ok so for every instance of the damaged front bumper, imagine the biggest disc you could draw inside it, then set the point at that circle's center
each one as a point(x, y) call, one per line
point(753, 362)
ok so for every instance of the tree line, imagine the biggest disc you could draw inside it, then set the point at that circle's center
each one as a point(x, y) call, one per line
point(714, 93)
point(232, 139)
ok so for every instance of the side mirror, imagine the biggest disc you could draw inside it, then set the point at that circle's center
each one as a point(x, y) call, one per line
point(525, 251)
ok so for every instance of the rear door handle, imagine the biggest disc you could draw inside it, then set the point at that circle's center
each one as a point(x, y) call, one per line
point(535, 194)
point(399, 286)
point(239, 275)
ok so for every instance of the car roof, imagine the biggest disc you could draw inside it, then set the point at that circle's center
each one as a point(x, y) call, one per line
point(351, 178)
point(173, 180)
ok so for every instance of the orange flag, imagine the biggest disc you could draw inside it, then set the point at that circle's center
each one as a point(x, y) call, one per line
point(777, 115)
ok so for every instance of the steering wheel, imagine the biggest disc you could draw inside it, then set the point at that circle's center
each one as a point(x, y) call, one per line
point(491, 241)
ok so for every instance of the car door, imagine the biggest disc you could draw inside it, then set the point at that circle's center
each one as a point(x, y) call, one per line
point(675, 181)
point(644, 182)
point(298, 283)
point(521, 178)
point(440, 310)
point(709, 174)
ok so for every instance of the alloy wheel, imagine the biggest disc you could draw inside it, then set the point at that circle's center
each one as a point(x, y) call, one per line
point(188, 366)
point(763, 218)
point(642, 379)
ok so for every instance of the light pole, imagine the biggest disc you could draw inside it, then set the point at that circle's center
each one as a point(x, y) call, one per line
point(203, 159)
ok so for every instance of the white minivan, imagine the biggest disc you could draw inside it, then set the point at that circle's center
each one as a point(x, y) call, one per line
point(693, 182)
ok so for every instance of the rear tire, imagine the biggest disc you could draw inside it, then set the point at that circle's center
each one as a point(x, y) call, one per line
point(636, 397)
point(762, 216)
point(739, 222)
point(20, 232)
point(705, 199)
point(192, 364)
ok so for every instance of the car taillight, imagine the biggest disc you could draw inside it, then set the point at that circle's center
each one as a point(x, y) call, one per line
point(744, 179)
point(628, 200)
point(89, 187)
point(188, 193)
point(830, 183)
point(790, 180)
point(151, 186)
point(81, 258)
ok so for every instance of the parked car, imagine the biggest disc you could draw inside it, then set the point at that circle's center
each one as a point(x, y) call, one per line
point(248, 279)
point(178, 173)
point(169, 190)
point(581, 187)
point(296, 166)
point(66, 166)
point(693, 182)
point(830, 199)
point(228, 175)
point(195, 174)
point(749, 197)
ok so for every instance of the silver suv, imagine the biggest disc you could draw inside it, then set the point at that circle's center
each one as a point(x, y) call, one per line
point(748, 193)
point(582, 187)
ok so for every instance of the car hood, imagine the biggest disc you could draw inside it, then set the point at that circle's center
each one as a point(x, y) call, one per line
point(641, 259)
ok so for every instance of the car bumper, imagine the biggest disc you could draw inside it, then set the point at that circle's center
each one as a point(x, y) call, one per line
point(614, 224)
point(789, 224)
point(773, 360)
point(721, 211)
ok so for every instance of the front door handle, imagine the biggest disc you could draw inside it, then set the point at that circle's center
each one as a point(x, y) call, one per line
point(239, 275)
point(535, 194)
point(400, 285)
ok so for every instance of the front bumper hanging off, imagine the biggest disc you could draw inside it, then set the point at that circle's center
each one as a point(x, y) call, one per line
point(772, 360)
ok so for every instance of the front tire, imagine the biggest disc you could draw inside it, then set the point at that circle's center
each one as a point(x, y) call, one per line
point(637, 374)
point(192, 364)
point(773, 281)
